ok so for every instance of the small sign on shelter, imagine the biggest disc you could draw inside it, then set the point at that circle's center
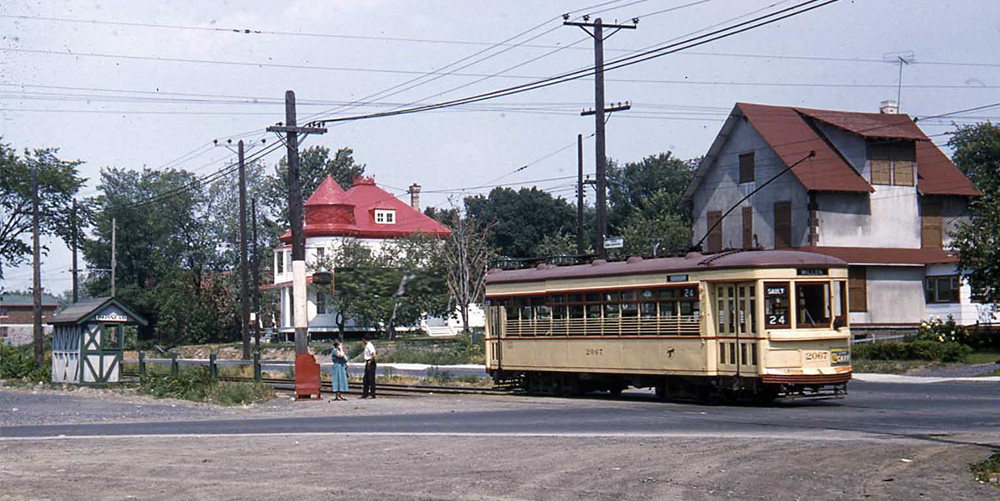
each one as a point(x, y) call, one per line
point(88, 339)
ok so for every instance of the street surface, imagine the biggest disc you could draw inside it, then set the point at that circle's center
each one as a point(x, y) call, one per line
point(884, 441)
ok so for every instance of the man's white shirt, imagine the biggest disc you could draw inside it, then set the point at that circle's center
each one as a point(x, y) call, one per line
point(369, 351)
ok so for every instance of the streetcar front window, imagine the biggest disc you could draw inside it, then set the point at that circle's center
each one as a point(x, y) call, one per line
point(776, 309)
point(812, 304)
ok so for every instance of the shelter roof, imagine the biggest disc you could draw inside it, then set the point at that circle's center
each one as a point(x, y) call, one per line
point(693, 261)
point(86, 310)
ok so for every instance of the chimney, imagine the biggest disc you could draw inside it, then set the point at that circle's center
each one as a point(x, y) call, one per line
point(415, 196)
point(889, 107)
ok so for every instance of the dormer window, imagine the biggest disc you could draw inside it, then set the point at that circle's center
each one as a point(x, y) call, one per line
point(892, 162)
point(385, 216)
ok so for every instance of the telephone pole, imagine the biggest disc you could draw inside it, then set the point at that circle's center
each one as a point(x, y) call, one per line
point(76, 224)
point(244, 277)
point(299, 297)
point(579, 194)
point(114, 252)
point(36, 271)
point(599, 110)
point(256, 277)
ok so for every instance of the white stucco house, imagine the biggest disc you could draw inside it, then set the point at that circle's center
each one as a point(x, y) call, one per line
point(876, 193)
point(366, 214)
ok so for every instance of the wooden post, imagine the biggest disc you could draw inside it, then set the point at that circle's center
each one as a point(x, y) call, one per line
point(256, 366)
point(213, 369)
point(142, 364)
point(174, 369)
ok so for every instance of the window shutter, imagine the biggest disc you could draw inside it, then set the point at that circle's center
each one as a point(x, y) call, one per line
point(747, 227)
point(715, 235)
point(881, 172)
point(782, 225)
point(931, 236)
point(857, 278)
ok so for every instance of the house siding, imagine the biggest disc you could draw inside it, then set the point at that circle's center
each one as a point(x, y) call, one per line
point(720, 190)
point(895, 295)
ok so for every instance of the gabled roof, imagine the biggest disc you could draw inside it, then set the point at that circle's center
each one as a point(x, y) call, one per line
point(790, 133)
point(333, 212)
point(790, 136)
point(83, 311)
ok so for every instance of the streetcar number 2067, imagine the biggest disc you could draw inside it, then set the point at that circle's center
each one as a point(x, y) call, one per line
point(597, 352)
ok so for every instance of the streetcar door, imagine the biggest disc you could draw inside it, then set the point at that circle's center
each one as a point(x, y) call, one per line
point(494, 328)
point(736, 327)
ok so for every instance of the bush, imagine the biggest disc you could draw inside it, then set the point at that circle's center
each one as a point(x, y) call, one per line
point(19, 364)
point(240, 393)
point(942, 331)
point(916, 350)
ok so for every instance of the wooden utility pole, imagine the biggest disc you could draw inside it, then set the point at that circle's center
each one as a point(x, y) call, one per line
point(255, 265)
point(114, 252)
point(299, 298)
point(76, 224)
point(598, 112)
point(579, 194)
point(244, 276)
point(36, 271)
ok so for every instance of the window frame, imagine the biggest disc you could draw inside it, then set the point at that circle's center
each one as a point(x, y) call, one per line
point(747, 169)
point(829, 305)
point(787, 284)
point(932, 291)
point(385, 216)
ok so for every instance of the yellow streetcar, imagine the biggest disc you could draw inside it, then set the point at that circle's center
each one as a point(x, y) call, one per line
point(763, 323)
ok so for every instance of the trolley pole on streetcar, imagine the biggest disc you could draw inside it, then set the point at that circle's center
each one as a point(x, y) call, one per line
point(292, 131)
point(599, 110)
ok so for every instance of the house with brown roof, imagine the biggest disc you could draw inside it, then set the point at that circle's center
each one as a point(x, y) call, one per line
point(868, 188)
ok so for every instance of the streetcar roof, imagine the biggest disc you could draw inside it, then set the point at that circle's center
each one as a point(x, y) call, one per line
point(693, 261)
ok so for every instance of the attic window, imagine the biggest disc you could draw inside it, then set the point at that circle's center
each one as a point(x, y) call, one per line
point(385, 216)
point(892, 162)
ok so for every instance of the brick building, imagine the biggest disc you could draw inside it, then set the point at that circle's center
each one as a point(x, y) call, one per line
point(16, 317)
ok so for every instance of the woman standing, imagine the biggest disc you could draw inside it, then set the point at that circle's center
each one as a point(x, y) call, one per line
point(338, 376)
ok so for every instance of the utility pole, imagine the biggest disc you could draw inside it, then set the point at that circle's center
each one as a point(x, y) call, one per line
point(579, 194)
point(256, 277)
point(36, 270)
point(299, 297)
point(598, 112)
point(75, 223)
point(114, 253)
point(244, 277)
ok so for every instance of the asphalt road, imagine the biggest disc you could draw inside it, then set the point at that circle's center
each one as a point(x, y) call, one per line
point(940, 412)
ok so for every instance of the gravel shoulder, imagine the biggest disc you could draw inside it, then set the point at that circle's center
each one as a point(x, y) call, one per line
point(485, 468)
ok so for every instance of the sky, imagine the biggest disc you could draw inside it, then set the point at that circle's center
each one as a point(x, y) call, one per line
point(151, 84)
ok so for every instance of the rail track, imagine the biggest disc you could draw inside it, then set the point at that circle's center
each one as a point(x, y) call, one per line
point(390, 388)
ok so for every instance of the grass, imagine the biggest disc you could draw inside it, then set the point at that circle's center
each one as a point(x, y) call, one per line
point(984, 357)
point(888, 366)
point(196, 384)
point(988, 471)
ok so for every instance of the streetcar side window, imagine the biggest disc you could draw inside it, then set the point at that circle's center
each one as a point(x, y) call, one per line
point(542, 310)
point(525, 306)
point(776, 306)
point(629, 306)
point(611, 304)
point(812, 304)
point(510, 308)
point(840, 303)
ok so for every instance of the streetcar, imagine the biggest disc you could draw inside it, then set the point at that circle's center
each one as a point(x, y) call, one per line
point(714, 327)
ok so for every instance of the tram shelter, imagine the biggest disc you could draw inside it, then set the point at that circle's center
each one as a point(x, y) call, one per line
point(88, 339)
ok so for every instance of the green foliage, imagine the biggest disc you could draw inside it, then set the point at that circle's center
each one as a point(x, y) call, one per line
point(462, 350)
point(916, 350)
point(988, 471)
point(644, 203)
point(18, 363)
point(58, 182)
point(977, 154)
point(521, 220)
point(196, 384)
point(394, 285)
point(315, 165)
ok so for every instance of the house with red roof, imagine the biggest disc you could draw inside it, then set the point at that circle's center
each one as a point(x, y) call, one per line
point(868, 188)
point(364, 213)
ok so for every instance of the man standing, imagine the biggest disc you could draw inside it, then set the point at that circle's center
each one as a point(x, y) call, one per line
point(368, 384)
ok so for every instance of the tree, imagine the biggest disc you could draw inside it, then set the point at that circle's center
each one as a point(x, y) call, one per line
point(644, 202)
point(395, 284)
point(315, 165)
point(521, 219)
point(977, 154)
point(169, 266)
point(58, 182)
point(467, 253)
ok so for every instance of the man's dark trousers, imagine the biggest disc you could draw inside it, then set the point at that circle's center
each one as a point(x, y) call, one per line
point(368, 384)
